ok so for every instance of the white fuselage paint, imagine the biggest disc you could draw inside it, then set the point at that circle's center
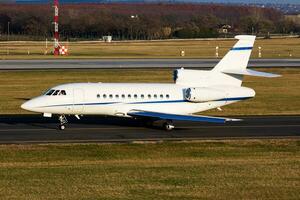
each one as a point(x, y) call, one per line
point(88, 99)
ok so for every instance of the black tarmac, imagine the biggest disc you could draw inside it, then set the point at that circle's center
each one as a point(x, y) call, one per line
point(17, 129)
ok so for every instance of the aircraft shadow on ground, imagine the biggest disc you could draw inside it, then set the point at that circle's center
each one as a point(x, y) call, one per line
point(40, 121)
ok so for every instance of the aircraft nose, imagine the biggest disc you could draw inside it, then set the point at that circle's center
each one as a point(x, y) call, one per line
point(27, 105)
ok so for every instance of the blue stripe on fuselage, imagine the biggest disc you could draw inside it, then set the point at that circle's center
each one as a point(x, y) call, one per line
point(169, 101)
point(86, 104)
point(146, 102)
point(240, 48)
point(234, 99)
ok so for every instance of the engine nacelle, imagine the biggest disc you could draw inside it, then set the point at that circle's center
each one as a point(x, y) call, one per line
point(191, 77)
point(203, 94)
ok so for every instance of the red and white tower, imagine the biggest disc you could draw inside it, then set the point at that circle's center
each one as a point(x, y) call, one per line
point(56, 34)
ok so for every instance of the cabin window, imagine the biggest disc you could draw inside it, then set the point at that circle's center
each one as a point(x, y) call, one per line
point(55, 93)
point(123, 96)
point(104, 96)
point(155, 96)
point(161, 96)
point(135, 96)
point(149, 96)
point(129, 96)
point(142, 96)
point(111, 96)
point(117, 96)
point(49, 92)
point(167, 96)
point(98, 95)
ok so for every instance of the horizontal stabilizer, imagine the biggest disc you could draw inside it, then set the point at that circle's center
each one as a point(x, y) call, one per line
point(168, 116)
point(250, 72)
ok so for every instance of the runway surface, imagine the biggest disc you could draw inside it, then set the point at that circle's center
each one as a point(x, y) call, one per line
point(36, 129)
point(134, 63)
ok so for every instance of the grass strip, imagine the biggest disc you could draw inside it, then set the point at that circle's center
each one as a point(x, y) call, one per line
point(238, 169)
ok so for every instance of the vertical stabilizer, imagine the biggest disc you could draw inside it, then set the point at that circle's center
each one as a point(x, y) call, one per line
point(228, 72)
point(238, 56)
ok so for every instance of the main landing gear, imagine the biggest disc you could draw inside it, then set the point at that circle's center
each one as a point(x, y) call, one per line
point(164, 124)
point(63, 121)
point(168, 125)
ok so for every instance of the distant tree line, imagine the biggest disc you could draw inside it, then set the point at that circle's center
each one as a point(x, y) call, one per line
point(141, 21)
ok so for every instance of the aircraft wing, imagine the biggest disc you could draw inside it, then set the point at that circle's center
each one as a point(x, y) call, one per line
point(169, 116)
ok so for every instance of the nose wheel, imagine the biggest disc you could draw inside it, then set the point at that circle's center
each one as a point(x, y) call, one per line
point(168, 126)
point(63, 121)
point(61, 127)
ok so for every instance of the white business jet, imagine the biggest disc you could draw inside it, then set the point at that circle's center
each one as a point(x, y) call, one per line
point(193, 91)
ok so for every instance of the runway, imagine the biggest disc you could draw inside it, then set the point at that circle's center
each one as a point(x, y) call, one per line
point(36, 129)
point(133, 63)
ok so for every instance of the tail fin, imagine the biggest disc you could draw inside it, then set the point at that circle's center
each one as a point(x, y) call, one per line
point(229, 71)
point(235, 62)
point(238, 56)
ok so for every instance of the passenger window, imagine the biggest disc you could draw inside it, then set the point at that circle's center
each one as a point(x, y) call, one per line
point(111, 96)
point(129, 96)
point(55, 93)
point(161, 96)
point(104, 96)
point(49, 92)
point(142, 96)
point(135, 96)
point(155, 96)
point(117, 96)
point(123, 96)
point(168, 96)
point(98, 95)
point(149, 96)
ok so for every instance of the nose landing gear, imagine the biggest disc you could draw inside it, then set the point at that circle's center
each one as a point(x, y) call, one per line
point(63, 121)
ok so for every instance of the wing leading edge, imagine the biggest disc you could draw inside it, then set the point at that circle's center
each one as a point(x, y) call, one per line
point(168, 116)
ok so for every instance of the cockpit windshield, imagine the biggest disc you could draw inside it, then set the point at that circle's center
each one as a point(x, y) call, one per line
point(62, 92)
point(49, 92)
point(56, 92)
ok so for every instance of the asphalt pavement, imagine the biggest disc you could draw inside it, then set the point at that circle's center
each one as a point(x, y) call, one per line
point(133, 63)
point(19, 129)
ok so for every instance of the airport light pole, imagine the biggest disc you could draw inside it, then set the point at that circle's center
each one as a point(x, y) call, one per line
point(133, 18)
point(8, 23)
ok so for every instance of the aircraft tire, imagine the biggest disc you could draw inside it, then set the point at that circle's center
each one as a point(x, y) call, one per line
point(61, 127)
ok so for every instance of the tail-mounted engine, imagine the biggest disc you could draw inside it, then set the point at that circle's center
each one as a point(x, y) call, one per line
point(203, 94)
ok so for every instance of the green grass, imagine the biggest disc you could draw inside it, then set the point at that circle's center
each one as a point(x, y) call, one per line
point(271, 48)
point(273, 96)
point(255, 169)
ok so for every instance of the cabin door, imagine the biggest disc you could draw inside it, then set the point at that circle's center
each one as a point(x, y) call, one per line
point(78, 101)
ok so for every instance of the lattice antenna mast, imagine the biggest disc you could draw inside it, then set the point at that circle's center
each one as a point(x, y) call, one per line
point(56, 34)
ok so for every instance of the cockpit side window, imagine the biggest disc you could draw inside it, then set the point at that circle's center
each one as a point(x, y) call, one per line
point(62, 92)
point(49, 92)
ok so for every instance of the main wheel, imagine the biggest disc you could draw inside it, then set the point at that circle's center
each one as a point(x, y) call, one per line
point(61, 127)
point(168, 126)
